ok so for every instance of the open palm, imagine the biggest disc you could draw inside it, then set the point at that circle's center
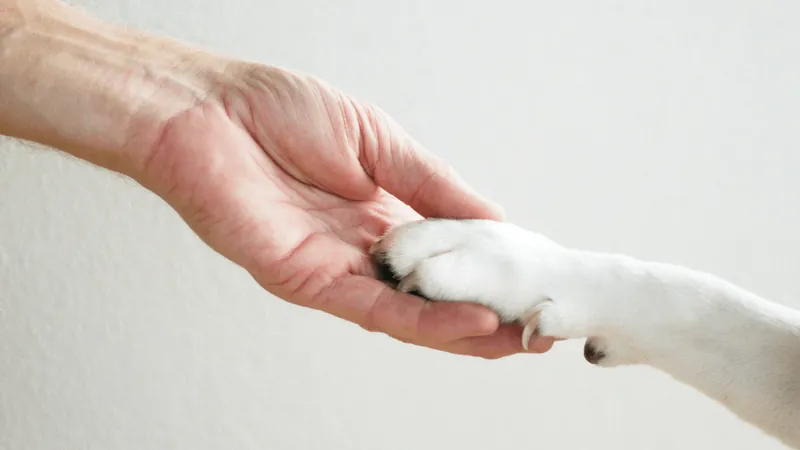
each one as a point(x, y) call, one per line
point(293, 180)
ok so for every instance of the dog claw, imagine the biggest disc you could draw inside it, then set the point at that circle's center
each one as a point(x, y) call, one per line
point(530, 329)
point(407, 284)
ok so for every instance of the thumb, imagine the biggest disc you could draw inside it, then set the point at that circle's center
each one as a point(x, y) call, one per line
point(418, 178)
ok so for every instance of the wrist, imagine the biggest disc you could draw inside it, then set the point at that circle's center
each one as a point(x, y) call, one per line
point(99, 92)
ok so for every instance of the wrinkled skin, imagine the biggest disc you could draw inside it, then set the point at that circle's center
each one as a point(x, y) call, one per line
point(293, 180)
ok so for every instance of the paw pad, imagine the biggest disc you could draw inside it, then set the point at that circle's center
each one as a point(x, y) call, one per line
point(592, 354)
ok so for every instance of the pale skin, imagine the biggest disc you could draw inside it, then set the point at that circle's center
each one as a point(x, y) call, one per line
point(279, 172)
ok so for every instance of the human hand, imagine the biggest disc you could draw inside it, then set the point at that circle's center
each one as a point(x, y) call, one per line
point(278, 172)
point(294, 180)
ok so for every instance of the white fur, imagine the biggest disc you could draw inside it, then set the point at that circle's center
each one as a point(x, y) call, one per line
point(733, 346)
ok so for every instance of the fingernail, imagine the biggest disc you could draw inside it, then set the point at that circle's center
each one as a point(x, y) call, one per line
point(498, 211)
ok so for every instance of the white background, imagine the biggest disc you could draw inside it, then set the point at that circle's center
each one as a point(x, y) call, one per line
point(664, 130)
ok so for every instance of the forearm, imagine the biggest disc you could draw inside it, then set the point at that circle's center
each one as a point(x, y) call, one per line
point(728, 343)
point(98, 92)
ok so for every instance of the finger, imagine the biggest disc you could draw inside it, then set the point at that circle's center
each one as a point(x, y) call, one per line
point(376, 307)
point(502, 343)
point(405, 169)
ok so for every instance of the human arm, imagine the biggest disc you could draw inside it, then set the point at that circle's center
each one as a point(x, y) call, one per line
point(277, 171)
point(91, 89)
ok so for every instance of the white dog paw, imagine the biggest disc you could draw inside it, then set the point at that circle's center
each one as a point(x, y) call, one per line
point(523, 276)
point(476, 261)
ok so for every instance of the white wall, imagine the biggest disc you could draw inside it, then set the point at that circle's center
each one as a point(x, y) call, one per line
point(667, 131)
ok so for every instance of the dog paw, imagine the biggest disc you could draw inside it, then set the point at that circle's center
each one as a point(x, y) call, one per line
point(523, 276)
point(476, 261)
